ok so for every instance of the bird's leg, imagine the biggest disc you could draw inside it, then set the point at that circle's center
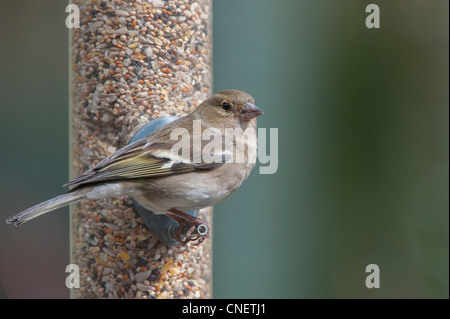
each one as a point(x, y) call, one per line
point(200, 227)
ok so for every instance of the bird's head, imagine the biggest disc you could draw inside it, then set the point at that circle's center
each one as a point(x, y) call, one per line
point(229, 108)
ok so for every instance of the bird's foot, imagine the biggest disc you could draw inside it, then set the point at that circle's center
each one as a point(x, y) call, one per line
point(190, 229)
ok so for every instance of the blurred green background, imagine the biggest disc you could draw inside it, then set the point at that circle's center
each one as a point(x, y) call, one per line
point(363, 124)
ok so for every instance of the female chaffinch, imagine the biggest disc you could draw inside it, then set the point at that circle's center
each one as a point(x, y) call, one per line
point(152, 171)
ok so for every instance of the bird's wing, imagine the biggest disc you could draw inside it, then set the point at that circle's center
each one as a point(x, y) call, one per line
point(141, 159)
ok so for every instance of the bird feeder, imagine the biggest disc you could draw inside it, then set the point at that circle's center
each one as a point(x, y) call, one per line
point(132, 62)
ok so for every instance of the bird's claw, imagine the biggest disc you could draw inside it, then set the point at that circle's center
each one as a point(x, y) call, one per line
point(193, 234)
point(190, 228)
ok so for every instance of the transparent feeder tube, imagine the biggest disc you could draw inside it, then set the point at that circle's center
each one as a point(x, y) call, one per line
point(131, 62)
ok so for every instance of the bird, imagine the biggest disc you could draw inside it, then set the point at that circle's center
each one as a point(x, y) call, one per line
point(218, 151)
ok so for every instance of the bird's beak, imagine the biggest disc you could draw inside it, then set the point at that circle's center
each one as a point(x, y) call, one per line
point(250, 111)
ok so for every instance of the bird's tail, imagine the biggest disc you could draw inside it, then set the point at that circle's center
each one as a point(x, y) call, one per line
point(47, 206)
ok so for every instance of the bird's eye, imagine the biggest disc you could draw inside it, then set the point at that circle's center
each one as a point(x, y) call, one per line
point(226, 106)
